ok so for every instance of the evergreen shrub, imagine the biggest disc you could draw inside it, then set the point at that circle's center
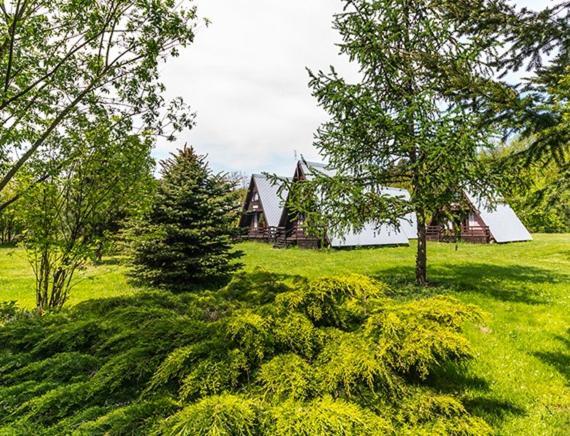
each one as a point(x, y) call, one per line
point(185, 240)
point(335, 355)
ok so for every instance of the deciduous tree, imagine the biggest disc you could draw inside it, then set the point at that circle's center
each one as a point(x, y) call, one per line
point(59, 58)
point(105, 174)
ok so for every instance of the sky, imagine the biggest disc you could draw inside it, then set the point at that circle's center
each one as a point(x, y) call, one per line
point(245, 77)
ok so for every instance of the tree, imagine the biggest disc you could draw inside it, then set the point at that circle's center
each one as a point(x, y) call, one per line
point(59, 58)
point(534, 196)
point(405, 121)
point(10, 224)
point(106, 173)
point(538, 109)
point(186, 238)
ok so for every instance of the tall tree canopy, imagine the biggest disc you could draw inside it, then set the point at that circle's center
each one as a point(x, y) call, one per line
point(60, 59)
point(539, 107)
point(404, 122)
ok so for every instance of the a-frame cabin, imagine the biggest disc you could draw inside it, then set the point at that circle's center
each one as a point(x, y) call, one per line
point(293, 231)
point(262, 209)
point(371, 235)
point(476, 221)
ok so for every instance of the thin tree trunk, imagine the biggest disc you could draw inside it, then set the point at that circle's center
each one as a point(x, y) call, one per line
point(421, 255)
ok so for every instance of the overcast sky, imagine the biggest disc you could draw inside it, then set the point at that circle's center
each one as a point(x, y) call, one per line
point(245, 78)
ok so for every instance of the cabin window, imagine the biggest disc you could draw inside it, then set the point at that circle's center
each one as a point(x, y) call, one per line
point(256, 197)
point(255, 221)
point(473, 220)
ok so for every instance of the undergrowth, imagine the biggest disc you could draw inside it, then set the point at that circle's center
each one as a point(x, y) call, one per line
point(331, 356)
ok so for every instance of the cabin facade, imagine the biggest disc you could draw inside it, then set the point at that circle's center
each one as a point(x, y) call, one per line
point(291, 225)
point(293, 232)
point(262, 210)
point(477, 222)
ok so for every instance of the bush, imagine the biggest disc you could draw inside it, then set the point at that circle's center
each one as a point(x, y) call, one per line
point(331, 356)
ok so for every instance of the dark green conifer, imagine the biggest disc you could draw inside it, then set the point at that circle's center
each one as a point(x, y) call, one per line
point(186, 239)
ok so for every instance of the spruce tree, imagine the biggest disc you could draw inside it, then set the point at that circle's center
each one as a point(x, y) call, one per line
point(185, 240)
point(404, 123)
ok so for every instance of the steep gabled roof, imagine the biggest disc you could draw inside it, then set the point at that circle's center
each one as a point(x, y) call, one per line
point(370, 234)
point(270, 200)
point(503, 222)
point(307, 166)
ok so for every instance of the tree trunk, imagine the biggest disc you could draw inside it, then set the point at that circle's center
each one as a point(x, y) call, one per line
point(421, 255)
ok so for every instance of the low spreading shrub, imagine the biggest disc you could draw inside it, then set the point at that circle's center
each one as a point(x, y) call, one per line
point(331, 356)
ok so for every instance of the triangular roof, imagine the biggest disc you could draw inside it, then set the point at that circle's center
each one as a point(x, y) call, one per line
point(307, 166)
point(271, 202)
point(370, 234)
point(503, 222)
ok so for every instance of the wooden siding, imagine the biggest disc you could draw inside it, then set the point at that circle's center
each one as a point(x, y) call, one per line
point(473, 234)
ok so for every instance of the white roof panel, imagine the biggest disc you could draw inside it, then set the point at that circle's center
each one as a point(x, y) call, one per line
point(385, 234)
point(370, 235)
point(503, 222)
point(409, 225)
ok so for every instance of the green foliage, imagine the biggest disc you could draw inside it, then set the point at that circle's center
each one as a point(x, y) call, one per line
point(327, 416)
point(10, 224)
point(335, 355)
point(51, 86)
point(540, 111)
point(539, 197)
point(287, 376)
point(417, 336)
point(186, 238)
point(422, 414)
point(132, 419)
point(411, 119)
point(67, 217)
point(224, 415)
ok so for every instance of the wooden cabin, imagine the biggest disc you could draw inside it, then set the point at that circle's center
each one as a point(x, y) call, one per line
point(475, 221)
point(262, 209)
point(291, 230)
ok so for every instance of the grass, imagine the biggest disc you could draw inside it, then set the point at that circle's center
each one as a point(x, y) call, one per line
point(102, 281)
point(520, 381)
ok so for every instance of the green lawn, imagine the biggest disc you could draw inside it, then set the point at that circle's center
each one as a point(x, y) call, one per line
point(17, 280)
point(520, 381)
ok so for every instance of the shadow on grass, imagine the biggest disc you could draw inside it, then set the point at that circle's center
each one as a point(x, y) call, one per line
point(559, 360)
point(492, 410)
point(511, 283)
point(451, 379)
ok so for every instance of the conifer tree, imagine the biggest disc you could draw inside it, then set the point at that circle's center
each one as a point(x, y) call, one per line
point(404, 123)
point(539, 107)
point(185, 240)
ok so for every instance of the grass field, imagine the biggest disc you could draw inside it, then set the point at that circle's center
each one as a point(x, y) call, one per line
point(520, 381)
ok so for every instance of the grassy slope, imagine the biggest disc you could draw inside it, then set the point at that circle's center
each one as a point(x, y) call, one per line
point(520, 381)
